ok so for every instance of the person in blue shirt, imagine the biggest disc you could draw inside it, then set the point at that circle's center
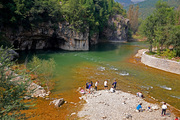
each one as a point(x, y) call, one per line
point(89, 87)
point(139, 107)
point(114, 84)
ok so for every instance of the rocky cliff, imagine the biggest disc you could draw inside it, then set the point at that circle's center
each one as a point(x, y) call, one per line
point(117, 29)
point(46, 35)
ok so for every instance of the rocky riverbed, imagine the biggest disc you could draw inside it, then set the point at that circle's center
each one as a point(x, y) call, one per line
point(119, 106)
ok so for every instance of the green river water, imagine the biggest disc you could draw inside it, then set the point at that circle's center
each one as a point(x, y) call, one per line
point(111, 62)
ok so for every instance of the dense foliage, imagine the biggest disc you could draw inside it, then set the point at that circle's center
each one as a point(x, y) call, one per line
point(162, 28)
point(81, 14)
point(13, 88)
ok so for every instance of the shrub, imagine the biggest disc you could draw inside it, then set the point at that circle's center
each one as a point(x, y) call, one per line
point(13, 88)
point(44, 69)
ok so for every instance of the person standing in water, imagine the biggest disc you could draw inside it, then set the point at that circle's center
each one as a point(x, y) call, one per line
point(96, 84)
point(91, 83)
point(105, 85)
point(114, 84)
point(87, 85)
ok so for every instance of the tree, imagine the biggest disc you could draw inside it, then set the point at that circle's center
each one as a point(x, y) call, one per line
point(162, 28)
point(13, 88)
point(148, 30)
point(132, 15)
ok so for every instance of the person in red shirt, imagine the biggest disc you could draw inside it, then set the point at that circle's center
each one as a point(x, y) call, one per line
point(176, 118)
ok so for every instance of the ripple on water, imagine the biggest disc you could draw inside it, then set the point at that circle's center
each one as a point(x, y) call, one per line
point(147, 87)
point(113, 68)
point(101, 68)
point(165, 87)
point(123, 73)
point(178, 97)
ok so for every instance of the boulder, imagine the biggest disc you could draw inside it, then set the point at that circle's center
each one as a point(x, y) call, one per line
point(58, 102)
point(10, 54)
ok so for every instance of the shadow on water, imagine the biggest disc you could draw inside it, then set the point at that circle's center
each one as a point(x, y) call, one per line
point(44, 54)
point(101, 47)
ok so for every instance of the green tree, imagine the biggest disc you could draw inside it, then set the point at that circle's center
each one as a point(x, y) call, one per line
point(132, 15)
point(161, 28)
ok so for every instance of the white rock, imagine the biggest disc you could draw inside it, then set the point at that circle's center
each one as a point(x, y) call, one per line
point(57, 102)
point(73, 113)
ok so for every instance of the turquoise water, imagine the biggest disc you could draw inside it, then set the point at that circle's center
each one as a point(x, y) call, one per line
point(111, 60)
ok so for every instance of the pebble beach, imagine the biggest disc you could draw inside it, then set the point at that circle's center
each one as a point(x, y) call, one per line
point(104, 105)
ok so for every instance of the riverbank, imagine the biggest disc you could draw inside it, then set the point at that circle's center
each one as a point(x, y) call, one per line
point(119, 106)
point(159, 63)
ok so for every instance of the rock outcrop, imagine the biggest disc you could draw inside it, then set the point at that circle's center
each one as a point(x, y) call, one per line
point(46, 36)
point(58, 102)
point(63, 36)
point(117, 29)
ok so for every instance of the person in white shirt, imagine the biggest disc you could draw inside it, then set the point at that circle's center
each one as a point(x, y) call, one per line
point(96, 84)
point(112, 90)
point(105, 85)
point(164, 107)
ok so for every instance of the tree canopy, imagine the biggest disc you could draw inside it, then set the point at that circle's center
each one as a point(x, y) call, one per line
point(162, 28)
point(79, 13)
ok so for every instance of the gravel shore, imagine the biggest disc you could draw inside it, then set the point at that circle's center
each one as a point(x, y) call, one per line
point(118, 106)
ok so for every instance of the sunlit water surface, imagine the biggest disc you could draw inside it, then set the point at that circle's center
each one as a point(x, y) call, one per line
point(110, 61)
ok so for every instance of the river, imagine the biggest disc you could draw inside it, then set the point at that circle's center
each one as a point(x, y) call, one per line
point(110, 61)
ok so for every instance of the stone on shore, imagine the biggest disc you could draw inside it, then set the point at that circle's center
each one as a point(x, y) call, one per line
point(58, 102)
point(118, 106)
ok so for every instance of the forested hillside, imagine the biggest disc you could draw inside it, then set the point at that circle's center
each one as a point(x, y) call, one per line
point(79, 13)
point(148, 6)
point(125, 2)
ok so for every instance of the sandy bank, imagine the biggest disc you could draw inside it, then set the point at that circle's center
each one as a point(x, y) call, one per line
point(118, 106)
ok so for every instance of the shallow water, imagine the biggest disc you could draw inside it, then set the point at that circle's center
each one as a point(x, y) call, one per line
point(111, 61)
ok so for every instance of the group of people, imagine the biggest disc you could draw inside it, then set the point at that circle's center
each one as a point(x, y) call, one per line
point(113, 88)
point(89, 86)
point(89, 89)
point(164, 107)
point(163, 113)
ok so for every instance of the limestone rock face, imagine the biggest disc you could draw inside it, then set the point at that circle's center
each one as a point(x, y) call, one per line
point(117, 28)
point(63, 36)
point(46, 35)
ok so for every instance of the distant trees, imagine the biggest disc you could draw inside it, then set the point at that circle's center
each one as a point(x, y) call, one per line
point(162, 28)
point(132, 15)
